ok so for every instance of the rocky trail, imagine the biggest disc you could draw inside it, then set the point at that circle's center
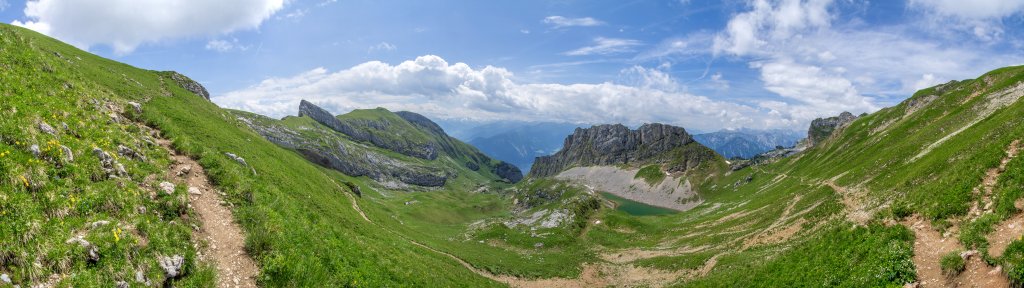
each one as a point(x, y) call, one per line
point(930, 245)
point(223, 236)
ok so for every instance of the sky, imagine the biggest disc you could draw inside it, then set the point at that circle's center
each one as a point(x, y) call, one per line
point(704, 65)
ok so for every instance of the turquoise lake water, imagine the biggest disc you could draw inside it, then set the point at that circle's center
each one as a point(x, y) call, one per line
point(636, 208)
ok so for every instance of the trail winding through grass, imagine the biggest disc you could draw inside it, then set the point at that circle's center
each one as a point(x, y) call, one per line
point(225, 239)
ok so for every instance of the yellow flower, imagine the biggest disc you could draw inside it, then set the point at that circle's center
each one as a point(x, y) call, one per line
point(117, 234)
point(23, 180)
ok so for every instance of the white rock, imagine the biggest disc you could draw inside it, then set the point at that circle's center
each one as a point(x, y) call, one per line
point(167, 187)
point(194, 191)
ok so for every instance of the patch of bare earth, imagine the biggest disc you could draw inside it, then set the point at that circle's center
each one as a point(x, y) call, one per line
point(224, 238)
point(857, 210)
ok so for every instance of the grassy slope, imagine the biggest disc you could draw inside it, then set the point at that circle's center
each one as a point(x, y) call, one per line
point(875, 154)
point(301, 231)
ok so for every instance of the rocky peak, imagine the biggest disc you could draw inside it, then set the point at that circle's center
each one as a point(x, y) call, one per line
point(613, 145)
point(189, 84)
point(822, 128)
point(422, 121)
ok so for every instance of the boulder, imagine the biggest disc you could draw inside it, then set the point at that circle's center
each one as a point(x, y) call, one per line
point(167, 187)
point(172, 265)
point(46, 128)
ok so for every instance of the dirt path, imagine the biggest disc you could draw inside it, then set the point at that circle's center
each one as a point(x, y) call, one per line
point(856, 209)
point(1006, 231)
point(1010, 229)
point(929, 247)
point(226, 242)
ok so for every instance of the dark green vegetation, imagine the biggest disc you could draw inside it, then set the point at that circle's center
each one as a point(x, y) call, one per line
point(636, 208)
point(952, 264)
point(652, 174)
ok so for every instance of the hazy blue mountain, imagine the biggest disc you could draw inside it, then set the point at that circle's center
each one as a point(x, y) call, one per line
point(515, 142)
point(746, 143)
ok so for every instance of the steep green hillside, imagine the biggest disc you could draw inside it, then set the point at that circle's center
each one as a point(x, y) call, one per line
point(377, 146)
point(301, 231)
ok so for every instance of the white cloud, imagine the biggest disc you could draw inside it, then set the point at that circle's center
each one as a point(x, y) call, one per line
point(746, 32)
point(295, 15)
point(605, 46)
point(826, 91)
point(927, 80)
point(382, 46)
point(719, 83)
point(820, 67)
point(221, 45)
point(560, 21)
point(432, 86)
point(126, 24)
point(980, 18)
point(974, 9)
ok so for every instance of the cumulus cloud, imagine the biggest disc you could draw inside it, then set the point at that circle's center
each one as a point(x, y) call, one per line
point(746, 32)
point(126, 24)
point(821, 68)
point(605, 46)
point(560, 21)
point(432, 86)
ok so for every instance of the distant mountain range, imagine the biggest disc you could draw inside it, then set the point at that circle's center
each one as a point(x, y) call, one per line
point(519, 143)
point(746, 143)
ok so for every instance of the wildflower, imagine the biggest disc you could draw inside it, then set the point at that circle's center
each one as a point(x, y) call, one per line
point(117, 234)
point(23, 180)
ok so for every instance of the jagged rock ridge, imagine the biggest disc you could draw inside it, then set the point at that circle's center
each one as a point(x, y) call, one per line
point(617, 144)
point(822, 128)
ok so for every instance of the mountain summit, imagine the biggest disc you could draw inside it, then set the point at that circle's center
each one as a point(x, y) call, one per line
point(618, 145)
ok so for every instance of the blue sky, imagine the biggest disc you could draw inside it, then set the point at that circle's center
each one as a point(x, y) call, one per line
point(700, 64)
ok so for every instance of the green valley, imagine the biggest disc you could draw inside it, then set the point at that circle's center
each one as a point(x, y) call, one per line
point(93, 193)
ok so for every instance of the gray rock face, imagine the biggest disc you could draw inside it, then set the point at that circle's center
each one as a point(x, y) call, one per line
point(617, 144)
point(353, 160)
point(822, 128)
point(508, 172)
point(424, 151)
point(190, 85)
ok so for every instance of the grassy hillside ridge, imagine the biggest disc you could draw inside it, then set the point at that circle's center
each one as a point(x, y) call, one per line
point(279, 207)
point(335, 149)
